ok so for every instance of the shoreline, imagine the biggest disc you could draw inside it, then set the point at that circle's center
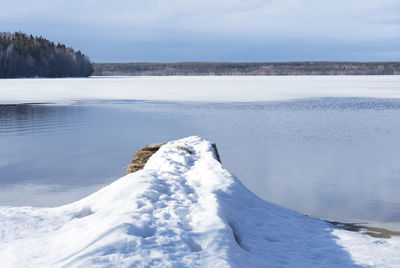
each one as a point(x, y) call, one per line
point(249, 68)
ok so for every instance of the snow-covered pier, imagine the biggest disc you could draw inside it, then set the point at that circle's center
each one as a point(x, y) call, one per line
point(183, 209)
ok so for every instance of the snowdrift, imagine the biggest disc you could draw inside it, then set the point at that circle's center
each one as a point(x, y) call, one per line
point(182, 210)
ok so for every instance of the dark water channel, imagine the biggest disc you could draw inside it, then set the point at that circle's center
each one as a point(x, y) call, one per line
point(335, 158)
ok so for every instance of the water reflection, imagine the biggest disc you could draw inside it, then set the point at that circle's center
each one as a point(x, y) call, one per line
point(332, 158)
point(35, 119)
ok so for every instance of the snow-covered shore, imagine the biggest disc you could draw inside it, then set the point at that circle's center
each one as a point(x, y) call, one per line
point(182, 210)
point(197, 88)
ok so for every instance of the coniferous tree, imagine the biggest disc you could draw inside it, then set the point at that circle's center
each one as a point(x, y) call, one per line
point(28, 56)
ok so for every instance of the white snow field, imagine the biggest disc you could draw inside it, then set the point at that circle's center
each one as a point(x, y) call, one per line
point(182, 210)
point(197, 88)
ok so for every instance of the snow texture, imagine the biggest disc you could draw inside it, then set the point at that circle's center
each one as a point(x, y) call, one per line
point(182, 210)
point(197, 88)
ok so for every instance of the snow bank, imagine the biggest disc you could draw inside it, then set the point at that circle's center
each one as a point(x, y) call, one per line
point(182, 210)
point(197, 88)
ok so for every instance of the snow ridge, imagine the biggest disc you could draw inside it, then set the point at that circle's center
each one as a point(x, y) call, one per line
point(182, 210)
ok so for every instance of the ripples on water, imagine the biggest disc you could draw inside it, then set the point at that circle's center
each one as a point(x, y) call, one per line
point(335, 158)
point(35, 119)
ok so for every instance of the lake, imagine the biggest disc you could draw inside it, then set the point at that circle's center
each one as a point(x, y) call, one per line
point(332, 158)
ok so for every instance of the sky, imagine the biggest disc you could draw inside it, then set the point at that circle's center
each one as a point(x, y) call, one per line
point(214, 30)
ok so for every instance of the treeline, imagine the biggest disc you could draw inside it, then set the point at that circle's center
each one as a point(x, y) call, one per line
point(27, 56)
point(255, 68)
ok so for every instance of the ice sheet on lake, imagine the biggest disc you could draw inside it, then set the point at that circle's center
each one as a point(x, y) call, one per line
point(197, 88)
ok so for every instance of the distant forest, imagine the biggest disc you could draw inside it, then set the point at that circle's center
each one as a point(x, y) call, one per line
point(255, 68)
point(27, 56)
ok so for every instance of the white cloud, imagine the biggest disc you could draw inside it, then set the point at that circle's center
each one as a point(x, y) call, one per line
point(363, 23)
point(341, 19)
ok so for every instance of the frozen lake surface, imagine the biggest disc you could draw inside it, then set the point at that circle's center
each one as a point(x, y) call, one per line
point(334, 158)
point(198, 88)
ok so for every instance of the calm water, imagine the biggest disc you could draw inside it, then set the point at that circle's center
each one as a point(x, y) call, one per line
point(335, 158)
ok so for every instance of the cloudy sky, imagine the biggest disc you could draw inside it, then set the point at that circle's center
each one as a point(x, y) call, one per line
point(214, 30)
